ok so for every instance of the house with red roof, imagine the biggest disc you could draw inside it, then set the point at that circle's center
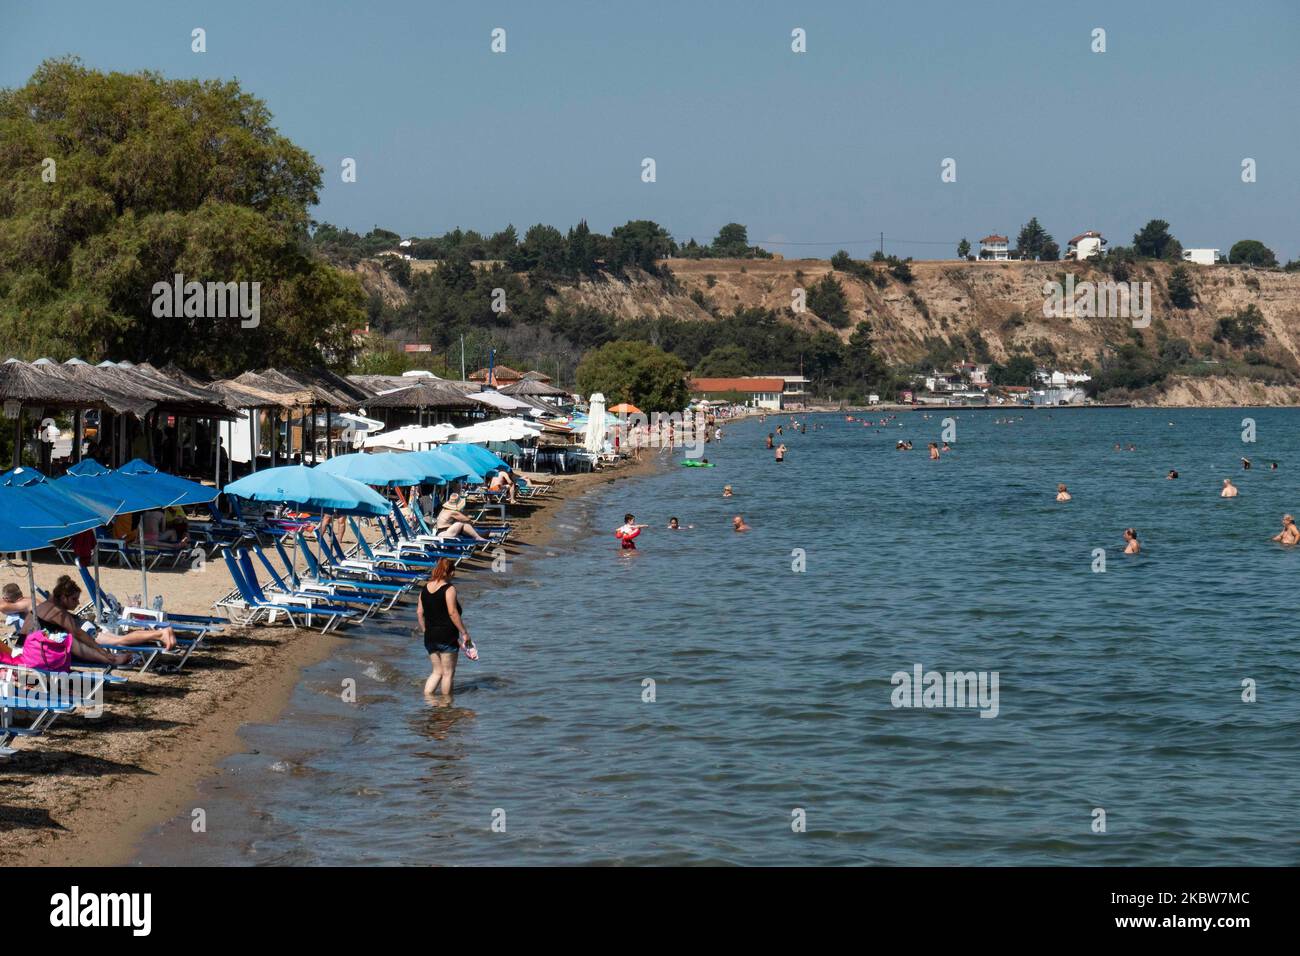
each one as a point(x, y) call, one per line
point(994, 247)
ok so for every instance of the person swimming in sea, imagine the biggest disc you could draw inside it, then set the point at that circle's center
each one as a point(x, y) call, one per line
point(946, 447)
point(1063, 494)
point(1245, 464)
point(1229, 489)
point(1289, 534)
point(780, 452)
point(769, 440)
point(1131, 536)
point(934, 452)
point(629, 532)
point(1172, 474)
point(673, 525)
point(738, 524)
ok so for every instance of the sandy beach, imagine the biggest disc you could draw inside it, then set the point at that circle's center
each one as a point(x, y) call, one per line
point(87, 790)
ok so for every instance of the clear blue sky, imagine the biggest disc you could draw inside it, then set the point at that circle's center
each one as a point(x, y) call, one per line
point(836, 144)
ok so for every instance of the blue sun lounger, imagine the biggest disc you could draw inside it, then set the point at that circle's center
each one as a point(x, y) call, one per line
point(355, 567)
point(259, 610)
point(311, 602)
point(360, 585)
point(366, 603)
point(331, 548)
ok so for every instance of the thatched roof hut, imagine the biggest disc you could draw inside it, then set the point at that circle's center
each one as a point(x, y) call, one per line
point(44, 384)
point(421, 394)
point(533, 388)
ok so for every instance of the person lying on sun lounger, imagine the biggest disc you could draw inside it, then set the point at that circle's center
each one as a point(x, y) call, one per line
point(156, 532)
point(14, 602)
point(452, 523)
point(502, 481)
point(57, 615)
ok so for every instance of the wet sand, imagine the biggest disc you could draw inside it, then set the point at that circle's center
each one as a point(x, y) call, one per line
point(87, 790)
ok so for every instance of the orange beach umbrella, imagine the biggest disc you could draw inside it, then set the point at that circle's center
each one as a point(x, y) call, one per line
point(623, 408)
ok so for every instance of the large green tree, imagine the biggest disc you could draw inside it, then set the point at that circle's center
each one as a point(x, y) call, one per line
point(112, 182)
point(1035, 243)
point(1252, 252)
point(1154, 241)
point(635, 372)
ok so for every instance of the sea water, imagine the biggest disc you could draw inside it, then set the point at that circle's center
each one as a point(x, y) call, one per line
point(722, 697)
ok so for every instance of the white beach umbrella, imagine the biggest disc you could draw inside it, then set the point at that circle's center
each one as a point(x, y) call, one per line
point(411, 437)
point(501, 429)
point(596, 425)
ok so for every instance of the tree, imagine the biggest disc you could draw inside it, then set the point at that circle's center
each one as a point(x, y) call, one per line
point(864, 370)
point(1242, 329)
point(1181, 293)
point(732, 241)
point(963, 249)
point(1019, 370)
point(1252, 252)
point(1153, 240)
point(583, 250)
point(1034, 243)
point(726, 361)
point(826, 300)
point(156, 177)
point(639, 243)
point(635, 372)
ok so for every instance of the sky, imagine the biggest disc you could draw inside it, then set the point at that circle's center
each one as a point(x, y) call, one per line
point(813, 151)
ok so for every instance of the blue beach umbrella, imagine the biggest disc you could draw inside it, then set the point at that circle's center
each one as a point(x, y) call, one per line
point(311, 489)
point(441, 467)
point(77, 510)
point(27, 524)
point(90, 477)
point(477, 456)
point(179, 491)
point(39, 510)
point(183, 491)
point(385, 468)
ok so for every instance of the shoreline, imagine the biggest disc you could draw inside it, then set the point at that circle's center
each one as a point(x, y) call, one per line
point(89, 790)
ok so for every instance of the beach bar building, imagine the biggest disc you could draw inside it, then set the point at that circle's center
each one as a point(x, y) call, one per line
point(765, 393)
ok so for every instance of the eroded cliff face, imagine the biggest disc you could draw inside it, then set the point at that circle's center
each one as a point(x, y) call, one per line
point(1003, 302)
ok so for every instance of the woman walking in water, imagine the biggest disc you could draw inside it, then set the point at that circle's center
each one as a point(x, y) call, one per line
point(444, 632)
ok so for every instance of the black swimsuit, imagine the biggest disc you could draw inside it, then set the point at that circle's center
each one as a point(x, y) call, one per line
point(440, 635)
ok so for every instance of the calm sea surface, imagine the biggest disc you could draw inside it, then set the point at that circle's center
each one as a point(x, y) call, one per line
point(1119, 690)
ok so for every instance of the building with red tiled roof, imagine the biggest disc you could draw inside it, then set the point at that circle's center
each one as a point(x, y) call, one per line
point(994, 247)
point(761, 392)
point(1085, 245)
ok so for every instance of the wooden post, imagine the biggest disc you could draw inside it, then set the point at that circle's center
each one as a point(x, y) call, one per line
point(252, 435)
point(18, 438)
point(76, 436)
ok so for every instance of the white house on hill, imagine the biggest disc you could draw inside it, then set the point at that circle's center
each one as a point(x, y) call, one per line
point(1202, 257)
point(994, 247)
point(1085, 245)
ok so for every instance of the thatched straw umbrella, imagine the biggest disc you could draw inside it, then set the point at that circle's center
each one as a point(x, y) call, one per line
point(530, 387)
point(423, 395)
